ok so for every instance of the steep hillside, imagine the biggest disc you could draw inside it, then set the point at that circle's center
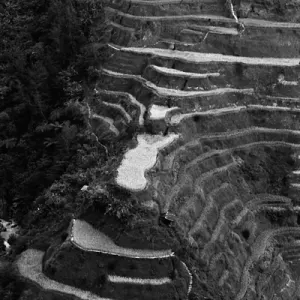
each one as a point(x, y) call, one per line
point(196, 110)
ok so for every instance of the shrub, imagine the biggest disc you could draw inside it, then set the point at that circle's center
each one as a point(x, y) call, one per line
point(12, 239)
point(64, 236)
point(101, 280)
point(111, 266)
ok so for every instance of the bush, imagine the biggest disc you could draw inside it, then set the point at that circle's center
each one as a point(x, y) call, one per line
point(20, 245)
point(12, 239)
point(101, 280)
point(64, 236)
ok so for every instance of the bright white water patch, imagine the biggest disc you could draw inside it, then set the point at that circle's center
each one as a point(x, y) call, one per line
point(297, 172)
point(158, 112)
point(131, 172)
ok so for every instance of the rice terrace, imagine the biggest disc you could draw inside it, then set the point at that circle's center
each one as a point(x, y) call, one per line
point(150, 149)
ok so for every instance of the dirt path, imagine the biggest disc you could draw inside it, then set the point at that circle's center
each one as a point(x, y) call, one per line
point(131, 173)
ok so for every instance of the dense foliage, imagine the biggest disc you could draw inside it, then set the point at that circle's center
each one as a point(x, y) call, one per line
point(43, 63)
point(47, 152)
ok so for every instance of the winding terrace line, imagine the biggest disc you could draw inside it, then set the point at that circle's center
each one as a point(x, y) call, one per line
point(190, 277)
point(108, 121)
point(197, 184)
point(120, 108)
point(291, 249)
point(29, 265)
point(161, 91)
point(87, 238)
point(212, 29)
point(227, 151)
point(129, 280)
point(185, 179)
point(172, 157)
point(198, 224)
point(169, 18)
point(174, 72)
point(248, 22)
point(131, 99)
point(258, 202)
point(256, 133)
point(177, 118)
point(122, 27)
point(246, 131)
point(174, 42)
point(222, 221)
point(209, 205)
point(196, 57)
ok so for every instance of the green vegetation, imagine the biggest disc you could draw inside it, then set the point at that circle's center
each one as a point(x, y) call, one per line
point(47, 152)
point(44, 60)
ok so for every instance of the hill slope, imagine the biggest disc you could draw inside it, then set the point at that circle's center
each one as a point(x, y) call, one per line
point(193, 185)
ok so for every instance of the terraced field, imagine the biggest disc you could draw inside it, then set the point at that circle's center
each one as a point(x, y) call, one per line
point(212, 88)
